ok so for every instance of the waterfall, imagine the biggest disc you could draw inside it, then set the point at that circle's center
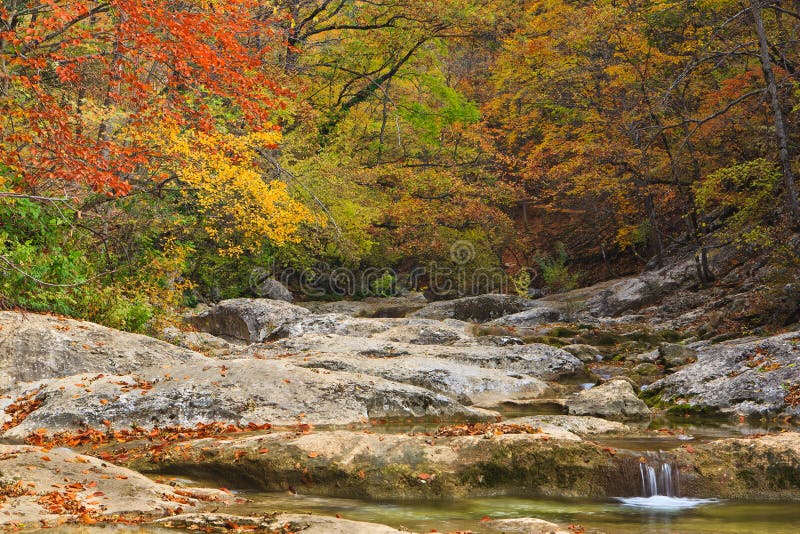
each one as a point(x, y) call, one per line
point(659, 480)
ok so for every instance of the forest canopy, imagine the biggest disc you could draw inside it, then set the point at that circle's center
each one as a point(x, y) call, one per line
point(154, 153)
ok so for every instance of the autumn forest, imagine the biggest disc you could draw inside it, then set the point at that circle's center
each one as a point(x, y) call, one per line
point(152, 153)
point(391, 266)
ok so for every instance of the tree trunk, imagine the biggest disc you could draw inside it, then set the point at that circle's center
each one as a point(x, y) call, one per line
point(780, 129)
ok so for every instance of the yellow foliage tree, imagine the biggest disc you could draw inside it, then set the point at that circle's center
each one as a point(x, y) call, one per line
point(239, 209)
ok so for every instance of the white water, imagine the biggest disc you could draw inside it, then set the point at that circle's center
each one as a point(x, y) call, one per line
point(660, 486)
point(664, 503)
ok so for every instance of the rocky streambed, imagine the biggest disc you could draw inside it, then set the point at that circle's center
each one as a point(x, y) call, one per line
point(488, 400)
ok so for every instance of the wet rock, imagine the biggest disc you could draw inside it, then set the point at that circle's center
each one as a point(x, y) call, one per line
point(747, 378)
point(541, 361)
point(614, 399)
point(234, 391)
point(585, 353)
point(251, 320)
point(305, 523)
point(38, 347)
point(465, 383)
point(477, 309)
point(51, 486)
point(676, 355)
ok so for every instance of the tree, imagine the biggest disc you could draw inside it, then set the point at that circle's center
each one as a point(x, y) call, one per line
point(781, 135)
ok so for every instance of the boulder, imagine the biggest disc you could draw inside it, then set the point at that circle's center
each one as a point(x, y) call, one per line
point(298, 523)
point(478, 309)
point(614, 400)
point(274, 290)
point(234, 391)
point(37, 347)
point(676, 355)
point(753, 377)
point(251, 320)
point(585, 353)
point(48, 487)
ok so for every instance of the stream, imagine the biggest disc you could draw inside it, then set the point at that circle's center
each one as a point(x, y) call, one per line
point(611, 517)
point(658, 510)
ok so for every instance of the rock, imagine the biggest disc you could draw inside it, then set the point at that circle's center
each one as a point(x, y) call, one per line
point(198, 341)
point(739, 377)
point(653, 286)
point(581, 425)
point(274, 290)
point(395, 466)
point(465, 383)
point(538, 313)
point(60, 485)
point(427, 332)
point(37, 347)
point(541, 361)
point(614, 399)
point(233, 391)
point(585, 353)
point(764, 467)
point(251, 320)
point(477, 309)
point(331, 323)
point(676, 355)
point(385, 307)
point(305, 523)
point(646, 369)
point(652, 356)
point(414, 331)
point(498, 341)
point(525, 525)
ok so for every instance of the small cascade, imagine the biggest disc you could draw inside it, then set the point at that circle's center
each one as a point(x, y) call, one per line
point(660, 486)
point(660, 480)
